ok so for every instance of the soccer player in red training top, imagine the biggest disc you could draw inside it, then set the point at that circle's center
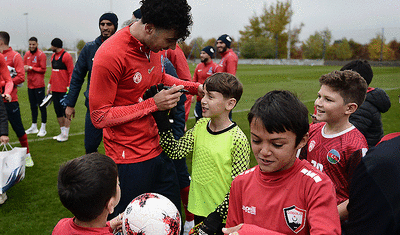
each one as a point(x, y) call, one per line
point(35, 68)
point(203, 70)
point(124, 67)
point(282, 193)
point(229, 60)
point(334, 139)
point(13, 59)
point(62, 66)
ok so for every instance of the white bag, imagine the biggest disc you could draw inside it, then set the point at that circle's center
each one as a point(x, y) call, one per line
point(12, 166)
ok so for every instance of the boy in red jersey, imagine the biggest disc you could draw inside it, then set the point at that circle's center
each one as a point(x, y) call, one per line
point(282, 193)
point(203, 70)
point(333, 140)
point(124, 67)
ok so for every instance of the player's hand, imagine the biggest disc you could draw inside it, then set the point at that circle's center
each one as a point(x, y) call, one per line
point(4, 139)
point(232, 230)
point(70, 112)
point(7, 97)
point(167, 99)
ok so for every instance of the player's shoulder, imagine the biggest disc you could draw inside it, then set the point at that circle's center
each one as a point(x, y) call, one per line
point(307, 172)
point(246, 175)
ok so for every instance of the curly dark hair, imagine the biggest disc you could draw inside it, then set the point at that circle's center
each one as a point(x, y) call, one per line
point(168, 14)
point(350, 85)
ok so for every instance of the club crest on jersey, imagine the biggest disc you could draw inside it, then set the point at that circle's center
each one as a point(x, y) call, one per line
point(137, 78)
point(295, 218)
point(333, 156)
point(210, 71)
point(311, 146)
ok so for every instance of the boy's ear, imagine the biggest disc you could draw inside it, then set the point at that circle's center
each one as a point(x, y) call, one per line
point(230, 104)
point(149, 28)
point(303, 141)
point(351, 108)
point(111, 205)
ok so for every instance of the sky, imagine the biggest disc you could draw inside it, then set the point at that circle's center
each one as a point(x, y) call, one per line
point(73, 20)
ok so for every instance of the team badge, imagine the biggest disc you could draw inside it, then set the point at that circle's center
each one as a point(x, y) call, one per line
point(333, 156)
point(295, 218)
point(311, 145)
point(137, 78)
point(209, 72)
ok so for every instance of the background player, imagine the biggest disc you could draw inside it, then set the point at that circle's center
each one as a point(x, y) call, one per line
point(35, 68)
point(229, 60)
point(108, 25)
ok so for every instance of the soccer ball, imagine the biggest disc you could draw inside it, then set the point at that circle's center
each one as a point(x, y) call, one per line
point(12, 71)
point(151, 214)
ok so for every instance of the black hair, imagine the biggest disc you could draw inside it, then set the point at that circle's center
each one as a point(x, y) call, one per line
point(168, 14)
point(281, 111)
point(226, 84)
point(86, 184)
point(5, 37)
point(33, 39)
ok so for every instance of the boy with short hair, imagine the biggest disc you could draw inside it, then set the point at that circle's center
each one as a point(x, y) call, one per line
point(88, 187)
point(282, 193)
point(334, 139)
point(220, 151)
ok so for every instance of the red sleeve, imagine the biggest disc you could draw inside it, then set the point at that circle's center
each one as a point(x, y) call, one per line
point(103, 114)
point(178, 59)
point(192, 87)
point(5, 77)
point(68, 61)
point(19, 67)
point(323, 215)
point(42, 64)
point(251, 229)
point(231, 66)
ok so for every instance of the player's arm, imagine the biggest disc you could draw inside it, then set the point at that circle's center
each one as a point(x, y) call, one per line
point(5, 75)
point(69, 63)
point(42, 64)
point(322, 212)
point(78, 78)
point(231, 66)
point(194, 88)
point(19, 68)
point(177, 149)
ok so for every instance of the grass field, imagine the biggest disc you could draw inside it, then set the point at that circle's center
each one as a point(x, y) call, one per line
point(33, 206)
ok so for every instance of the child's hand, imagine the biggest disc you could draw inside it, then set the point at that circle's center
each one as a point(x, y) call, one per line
point(7, 97)
point(232, 230)
point(116, 223)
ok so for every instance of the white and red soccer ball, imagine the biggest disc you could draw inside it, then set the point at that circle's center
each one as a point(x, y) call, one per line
point(151, 214)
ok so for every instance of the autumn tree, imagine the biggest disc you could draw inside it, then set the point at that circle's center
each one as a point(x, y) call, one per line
point(378, 46)
point(315, 46)
point(395, 46)
point(269, 26)
point(340, 50)
point(359, 51)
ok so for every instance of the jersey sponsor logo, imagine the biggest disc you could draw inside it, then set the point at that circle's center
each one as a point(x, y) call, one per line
point(333, 156)
point(137, 78)
point(199, 70)
point(311, 145)
point(295, 218)
point(311, 174)
point(249, 209)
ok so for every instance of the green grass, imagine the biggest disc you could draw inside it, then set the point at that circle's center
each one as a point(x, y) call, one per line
point(33, 206)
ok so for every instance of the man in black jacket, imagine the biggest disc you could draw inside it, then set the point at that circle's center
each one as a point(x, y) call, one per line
point(108, 24)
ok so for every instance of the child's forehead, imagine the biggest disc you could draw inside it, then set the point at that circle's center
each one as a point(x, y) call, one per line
point(258, 128)
point(330, 91)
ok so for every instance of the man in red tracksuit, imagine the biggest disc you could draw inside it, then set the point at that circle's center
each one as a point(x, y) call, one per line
point(124, 67)
point(229, 60)
point(35, 68)
point(203, 70)
point(62, 66)
point(14, 60)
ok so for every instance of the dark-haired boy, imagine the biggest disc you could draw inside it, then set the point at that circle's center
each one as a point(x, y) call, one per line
point(333, 140)
point(88, 187)
point(125, 66)
point(282, 193)
point(220, 151)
